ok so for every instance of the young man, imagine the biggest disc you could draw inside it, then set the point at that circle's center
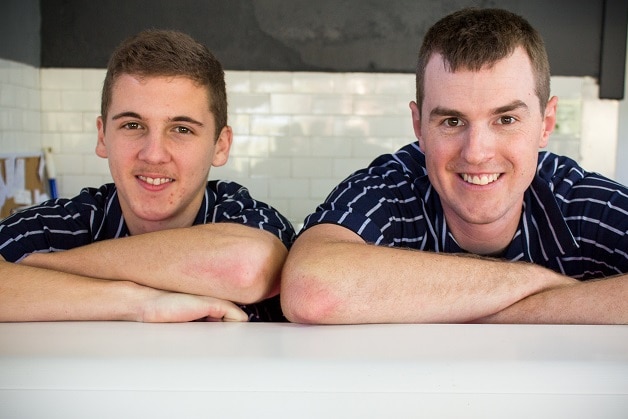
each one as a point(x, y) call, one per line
point(185, 248)
point(475, 184)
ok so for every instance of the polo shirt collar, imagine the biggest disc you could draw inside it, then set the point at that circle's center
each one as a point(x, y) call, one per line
point(207, 207)
point(543, 233)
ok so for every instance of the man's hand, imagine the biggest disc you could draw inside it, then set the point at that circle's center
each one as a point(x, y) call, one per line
point(177, 307)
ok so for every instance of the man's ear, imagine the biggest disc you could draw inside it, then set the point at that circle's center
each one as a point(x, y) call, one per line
point(549, 121)
point(222, 146)
point(101, 150)
point(416, 122)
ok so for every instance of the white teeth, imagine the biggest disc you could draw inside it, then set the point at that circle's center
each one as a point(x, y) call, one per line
point(155, 181)
point(481, 179)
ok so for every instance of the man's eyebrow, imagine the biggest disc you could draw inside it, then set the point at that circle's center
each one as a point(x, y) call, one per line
point(184, 118)
point(439, 111)
point(515, 105)
point(135, 115)
point(127, 114)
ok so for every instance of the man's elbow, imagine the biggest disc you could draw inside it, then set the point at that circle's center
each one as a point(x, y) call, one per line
point(306, 299)
point(256, 276)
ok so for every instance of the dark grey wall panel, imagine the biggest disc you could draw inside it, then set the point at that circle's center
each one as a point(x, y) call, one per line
point(77, 33)
point(307, 35)
point(296, 35)
point(19, 31)
point(613, 57)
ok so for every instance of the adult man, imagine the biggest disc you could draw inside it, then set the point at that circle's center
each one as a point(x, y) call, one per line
point(474, 183)
point(185, 248)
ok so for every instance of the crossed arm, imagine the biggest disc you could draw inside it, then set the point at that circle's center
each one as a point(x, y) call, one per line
point(602, 301)
point(171, 275)
point(333, 276)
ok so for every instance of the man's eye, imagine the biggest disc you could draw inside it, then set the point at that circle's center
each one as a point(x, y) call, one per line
point(131, 125)
point(183, 130)
point(507, 120)
point(453, 122)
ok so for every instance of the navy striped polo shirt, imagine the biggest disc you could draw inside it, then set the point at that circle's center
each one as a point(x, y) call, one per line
point(573, 222)
point(95, 215)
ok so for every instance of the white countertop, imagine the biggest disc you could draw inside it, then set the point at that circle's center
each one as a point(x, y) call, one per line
point(120, 369)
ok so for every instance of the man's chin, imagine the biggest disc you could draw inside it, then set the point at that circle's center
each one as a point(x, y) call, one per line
point(478, 216)
point(153, 216)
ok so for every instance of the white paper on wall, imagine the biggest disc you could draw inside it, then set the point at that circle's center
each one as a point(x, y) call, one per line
point(40, 196)
point(17, 185)
point(23, 197)
point(19, 179)
point(9, 166)
point(3, 191)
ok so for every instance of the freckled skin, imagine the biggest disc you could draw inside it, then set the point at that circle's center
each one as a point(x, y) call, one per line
point(160, 127)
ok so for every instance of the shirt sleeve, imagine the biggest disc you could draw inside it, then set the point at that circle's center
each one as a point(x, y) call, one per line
point(50, 227)
point(367, 204)
point(597, 216)
point(235, 204)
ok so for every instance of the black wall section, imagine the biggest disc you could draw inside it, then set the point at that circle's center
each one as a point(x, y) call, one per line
point(583, 37)
point(297, 35)
point(78, 33)
point(19, 31)
point(613, 57)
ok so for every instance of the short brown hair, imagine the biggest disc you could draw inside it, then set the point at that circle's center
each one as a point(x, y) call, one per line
point(472, 38)
point(168, 53)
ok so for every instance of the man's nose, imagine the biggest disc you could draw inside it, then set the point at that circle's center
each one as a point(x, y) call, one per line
point(478, 145)
point(155, 148)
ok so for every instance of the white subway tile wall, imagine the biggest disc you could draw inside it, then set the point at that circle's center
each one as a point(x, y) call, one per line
point(296, 134)
point(20, 108)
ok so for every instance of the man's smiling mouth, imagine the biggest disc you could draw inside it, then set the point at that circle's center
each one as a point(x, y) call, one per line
point(480, 179)
point(155, 181)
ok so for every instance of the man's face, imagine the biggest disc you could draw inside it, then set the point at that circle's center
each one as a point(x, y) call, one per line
point(481, 132)
point(160, 141)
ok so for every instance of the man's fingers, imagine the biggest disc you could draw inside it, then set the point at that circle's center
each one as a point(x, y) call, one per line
point(235, 314)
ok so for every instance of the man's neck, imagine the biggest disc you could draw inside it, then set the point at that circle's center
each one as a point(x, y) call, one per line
point(485, 239)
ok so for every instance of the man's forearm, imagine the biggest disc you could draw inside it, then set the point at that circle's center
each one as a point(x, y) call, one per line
point(330, 277)
point(36, 294)
point(226, 261)
point(603, 301)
